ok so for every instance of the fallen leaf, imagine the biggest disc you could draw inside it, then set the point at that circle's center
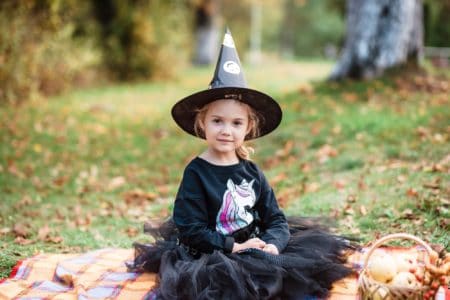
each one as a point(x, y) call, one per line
point(21, 230)
point(325, 153)
point(60, 216)
point(361, 184)
point(401, 178)
point(407, 214)
point(349, 211)
point(12, 168)
point(28, 170)
point(351, 199)
point(444, 223)
point(24, 202)
point(435, 184)
point(312, 187)
point(316, 128)
point(285, 195)
point(138, 197)
point(335, 213)
point(134, 212)
point(60, 181)
point(287, 148)
point(355, 230)
point(438, 138)
point(360, 136)
point(132, 231)
point(336, 129)
point(419, 221)
point(160, 133)
point(412, 193)
point(105, 212)
point(445, 161)
point(37, 148)
point(423, 132)
point(444, 201)
point(5, 231)
point(83, 221)
point(271, 162)
point(340, 184)
point(349, 222)
point(32, 213)
point(99, 128)
point(350, 97)
point(23, 241)
point(305, 167)
point(439, 168)
point(55, 239)
point(43, 233)
point(278, 178)
point(116, 182)
point(163, 189)
point(305, 88)
point(363, 210)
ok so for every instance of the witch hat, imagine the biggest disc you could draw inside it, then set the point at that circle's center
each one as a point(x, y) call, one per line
point(228, 83)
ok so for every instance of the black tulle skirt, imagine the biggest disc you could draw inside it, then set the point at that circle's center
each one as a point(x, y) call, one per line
point(313, 259)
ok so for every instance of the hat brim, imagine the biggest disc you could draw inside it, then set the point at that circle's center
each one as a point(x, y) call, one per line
point(185, 110)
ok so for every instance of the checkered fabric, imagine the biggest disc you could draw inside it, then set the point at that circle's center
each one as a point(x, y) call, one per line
point(102, 274)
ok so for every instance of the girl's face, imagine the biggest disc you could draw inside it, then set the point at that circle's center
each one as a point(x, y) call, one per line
point(225, 126)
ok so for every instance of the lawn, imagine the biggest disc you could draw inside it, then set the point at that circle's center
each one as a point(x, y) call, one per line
point(86, 169)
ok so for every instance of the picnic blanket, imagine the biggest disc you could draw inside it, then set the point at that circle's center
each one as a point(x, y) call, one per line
point(102, 274)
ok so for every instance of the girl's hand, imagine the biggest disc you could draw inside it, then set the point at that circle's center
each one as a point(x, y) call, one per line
point(251, 243)
point(271, 248)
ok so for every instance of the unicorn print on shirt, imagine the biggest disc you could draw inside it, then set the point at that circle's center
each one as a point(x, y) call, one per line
point(234, 213)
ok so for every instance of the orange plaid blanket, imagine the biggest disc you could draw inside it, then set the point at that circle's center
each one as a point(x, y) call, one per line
point(102, 274)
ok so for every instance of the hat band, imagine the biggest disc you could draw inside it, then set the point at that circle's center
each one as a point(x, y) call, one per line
point(233, 96)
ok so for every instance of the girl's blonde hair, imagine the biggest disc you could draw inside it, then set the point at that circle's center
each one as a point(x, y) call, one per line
point(242, 151)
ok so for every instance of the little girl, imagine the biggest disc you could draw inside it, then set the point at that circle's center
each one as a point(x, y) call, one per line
point(228, 239)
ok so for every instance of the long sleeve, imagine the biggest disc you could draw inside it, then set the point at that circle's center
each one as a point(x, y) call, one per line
point(192, 220)
point(275, 228)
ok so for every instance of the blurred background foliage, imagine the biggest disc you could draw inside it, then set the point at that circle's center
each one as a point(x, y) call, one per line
point(437, 28)
point(48, 46)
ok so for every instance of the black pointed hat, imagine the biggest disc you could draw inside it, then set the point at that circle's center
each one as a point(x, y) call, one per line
point(228, 83)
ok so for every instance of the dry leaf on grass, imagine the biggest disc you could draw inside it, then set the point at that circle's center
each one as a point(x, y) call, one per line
point(21, 230)
point(23, 241)
point(138, 197)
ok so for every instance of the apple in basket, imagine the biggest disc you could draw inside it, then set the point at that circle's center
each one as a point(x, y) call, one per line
point(405, 262)
point(382, 267)
point(405, 279)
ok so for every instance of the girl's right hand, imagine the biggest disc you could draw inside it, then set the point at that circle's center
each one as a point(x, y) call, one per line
point(251, 243)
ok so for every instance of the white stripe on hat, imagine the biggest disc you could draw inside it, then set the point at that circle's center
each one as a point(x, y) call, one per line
point(228, 40)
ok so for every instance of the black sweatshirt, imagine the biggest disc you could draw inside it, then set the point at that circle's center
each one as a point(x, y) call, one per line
point(215, 201)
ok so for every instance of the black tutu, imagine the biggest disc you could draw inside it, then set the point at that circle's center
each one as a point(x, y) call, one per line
point(313, 259)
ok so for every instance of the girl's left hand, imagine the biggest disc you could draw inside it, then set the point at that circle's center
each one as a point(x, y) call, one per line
point(271, 248)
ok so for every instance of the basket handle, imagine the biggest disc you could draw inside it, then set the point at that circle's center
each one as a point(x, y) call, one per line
point(396, 236)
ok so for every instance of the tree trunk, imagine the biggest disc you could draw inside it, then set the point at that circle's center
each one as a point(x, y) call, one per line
point(287, 34)
point(206, 33)
point(380, 34)
point(255, 32)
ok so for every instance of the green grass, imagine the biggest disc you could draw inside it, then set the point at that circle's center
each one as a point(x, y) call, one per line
point(93, 165)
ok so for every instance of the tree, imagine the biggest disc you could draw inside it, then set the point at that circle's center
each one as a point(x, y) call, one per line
point(380, 34)
point(311, 27)
point(139, 37)
point(206, 32)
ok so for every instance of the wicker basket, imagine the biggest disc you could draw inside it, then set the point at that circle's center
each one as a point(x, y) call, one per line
point(370, 289)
